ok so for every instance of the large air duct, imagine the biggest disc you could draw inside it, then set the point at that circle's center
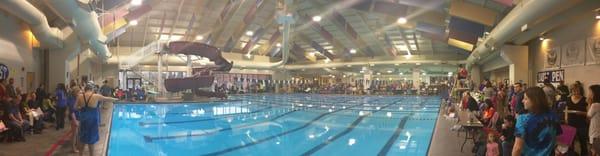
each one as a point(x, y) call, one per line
point(84, 22)
point(48, 37)
point(524, 13)
point(367, 63)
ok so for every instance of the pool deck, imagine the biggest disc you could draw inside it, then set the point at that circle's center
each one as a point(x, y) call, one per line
point(52, 142)
point(446, 142)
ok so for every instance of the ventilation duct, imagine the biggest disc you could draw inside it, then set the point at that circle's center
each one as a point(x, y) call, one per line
point(84, 23)
point(523, 13)
point(37, 22)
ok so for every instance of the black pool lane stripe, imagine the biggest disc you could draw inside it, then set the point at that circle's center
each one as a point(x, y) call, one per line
point(388, 145)
point(222, 117)
point(201, 120)
point(150, 139)
point(341, 134)
point(278, 135)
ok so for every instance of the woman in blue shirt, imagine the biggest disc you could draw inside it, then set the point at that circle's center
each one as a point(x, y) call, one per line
point(61, 105)
point(536, 130)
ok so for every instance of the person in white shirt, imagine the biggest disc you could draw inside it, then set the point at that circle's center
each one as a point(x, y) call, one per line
point(594, 115)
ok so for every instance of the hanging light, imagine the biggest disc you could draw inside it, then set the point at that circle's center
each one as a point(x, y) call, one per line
point(352, 51)
point(199, 37)
point(133, 22)
point(402, 20)
point(316, 18)
point(249, 33)
point(136, 2)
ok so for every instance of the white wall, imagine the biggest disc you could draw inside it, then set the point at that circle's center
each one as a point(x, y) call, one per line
point(580, 29)
point(518, 59)
point(17, 53)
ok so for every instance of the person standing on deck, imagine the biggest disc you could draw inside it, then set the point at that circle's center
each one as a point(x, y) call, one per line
point(536, 130)
point(61, 105)
point(87, 104)
point(10, 88)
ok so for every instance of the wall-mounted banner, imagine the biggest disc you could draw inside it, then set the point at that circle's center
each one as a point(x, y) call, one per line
point(554, 76)
point(4, 71)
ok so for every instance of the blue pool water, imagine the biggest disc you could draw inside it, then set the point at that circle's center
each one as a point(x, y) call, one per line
point(296, 124)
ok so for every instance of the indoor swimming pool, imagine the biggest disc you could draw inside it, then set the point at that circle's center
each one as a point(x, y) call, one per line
point(294, 124)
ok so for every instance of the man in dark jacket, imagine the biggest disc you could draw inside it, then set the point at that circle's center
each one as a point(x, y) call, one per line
point(10, 88)
point(517, 99)
point(40, 93)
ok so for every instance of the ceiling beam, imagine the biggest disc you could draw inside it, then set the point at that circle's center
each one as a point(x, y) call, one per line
point(273, 40)
point(257, 36)
point(340, 22)
point(181, 2)
point(249, 20)
point(317, 27)
point(162, 24)
point(372, 35)
point(408, 52)
point(230, 9)
point(203, 19)
point(145, 30)
point(195, 13)
point(416, 41)
point(315, 45)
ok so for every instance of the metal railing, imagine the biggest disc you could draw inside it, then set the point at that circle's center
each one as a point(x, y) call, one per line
point(135, 58)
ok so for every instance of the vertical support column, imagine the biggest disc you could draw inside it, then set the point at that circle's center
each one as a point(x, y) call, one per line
point(475, 74)
point(159, 86)
point(416, 75)
point(189, 65)
point(367, 80)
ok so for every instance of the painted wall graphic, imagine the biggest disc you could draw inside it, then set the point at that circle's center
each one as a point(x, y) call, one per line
point(4, 71)
point(573, 53)
point(552, 57)
point(593, 50)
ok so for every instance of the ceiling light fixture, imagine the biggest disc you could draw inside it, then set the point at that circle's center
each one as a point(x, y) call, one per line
point(389, 71)
point(402, 20)
point(199, 37)
point(353, 51)
point(278, 44)
point(249, 33)
point(136, 2)
point(316, 18)
point(542, 38)
point(133, 22)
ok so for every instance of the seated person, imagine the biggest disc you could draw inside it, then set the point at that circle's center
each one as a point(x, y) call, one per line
point(34, 112)
point(48, 107)
point(15, 121)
